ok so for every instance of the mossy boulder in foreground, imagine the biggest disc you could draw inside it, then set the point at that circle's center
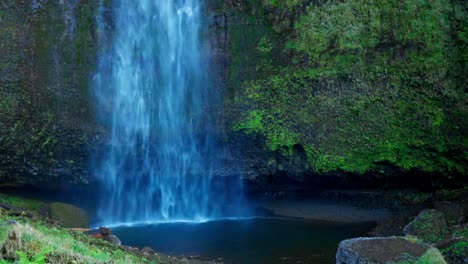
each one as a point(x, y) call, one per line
point(366, 250)
point(68, 215)
point(429, 226)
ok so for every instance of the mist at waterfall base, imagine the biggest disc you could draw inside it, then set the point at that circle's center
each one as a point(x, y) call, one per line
point(155, 97)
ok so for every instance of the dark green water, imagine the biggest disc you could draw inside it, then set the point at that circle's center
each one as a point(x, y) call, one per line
point(257, 240)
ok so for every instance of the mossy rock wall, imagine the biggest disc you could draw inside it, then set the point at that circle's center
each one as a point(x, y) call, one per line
point(353, 87)
point(310, 88)
point(47, 56)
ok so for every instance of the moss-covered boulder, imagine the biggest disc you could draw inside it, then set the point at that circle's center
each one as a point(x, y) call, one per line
point(429, 226)
point(373, 250)
point(68, 215)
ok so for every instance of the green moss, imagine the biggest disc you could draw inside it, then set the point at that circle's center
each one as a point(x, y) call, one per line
point(457, 249)
point(432, 256)
point(452, 194)
point(415, 198)
point(28, 204)
point(462, 232)
point(265, 45)
point(69, 215)
point(283, 3)
point(45, 62)
point(430, 226)
point(368, 83)
point(252, 124)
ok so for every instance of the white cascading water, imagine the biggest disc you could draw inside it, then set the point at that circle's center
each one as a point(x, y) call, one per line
point(155, 95)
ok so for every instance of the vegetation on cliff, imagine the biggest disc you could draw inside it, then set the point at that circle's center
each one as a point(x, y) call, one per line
point(356, 83)
point(47, 55)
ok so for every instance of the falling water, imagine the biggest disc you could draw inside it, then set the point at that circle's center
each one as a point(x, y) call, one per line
point(153, 89)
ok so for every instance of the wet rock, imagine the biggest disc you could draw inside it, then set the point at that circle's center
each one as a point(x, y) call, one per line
point(105, 234)
point(68, 215)
point(21, 213)
point(429, 226)
point(37, 4)
point(147, 251)
point(11, 208)
point(376, 250)
point(113, 239)
point(99, 233)
point(217, 20)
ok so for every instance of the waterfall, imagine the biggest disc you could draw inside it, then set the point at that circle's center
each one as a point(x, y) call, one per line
point(154, 93)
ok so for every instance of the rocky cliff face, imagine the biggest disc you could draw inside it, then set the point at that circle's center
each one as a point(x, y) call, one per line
point(46, 118)
point(236, 27)
point(335, 93)
point(353, 92)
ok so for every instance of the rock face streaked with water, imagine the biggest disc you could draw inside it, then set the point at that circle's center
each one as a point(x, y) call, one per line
point(154, 93)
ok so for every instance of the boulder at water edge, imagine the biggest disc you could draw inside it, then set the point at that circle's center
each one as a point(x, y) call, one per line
point(68, 215)
point(382, 250)
point(105, 234)
point(429, 226)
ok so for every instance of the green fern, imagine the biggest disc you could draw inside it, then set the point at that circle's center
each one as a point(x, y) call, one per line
point(39, 258)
